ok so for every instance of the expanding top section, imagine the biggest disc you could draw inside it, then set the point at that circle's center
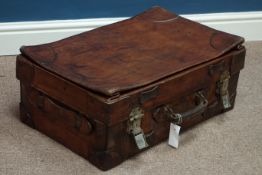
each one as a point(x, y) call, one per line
point(132, 53)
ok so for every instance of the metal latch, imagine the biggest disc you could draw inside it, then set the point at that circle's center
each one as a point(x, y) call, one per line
point(134, 127)
point(223, 89)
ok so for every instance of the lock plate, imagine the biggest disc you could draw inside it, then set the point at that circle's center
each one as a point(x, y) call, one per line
point(134, 127)
point(223, 89)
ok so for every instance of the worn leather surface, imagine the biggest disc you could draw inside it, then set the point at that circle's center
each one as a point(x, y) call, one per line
point(120, 57)
point(132, 53)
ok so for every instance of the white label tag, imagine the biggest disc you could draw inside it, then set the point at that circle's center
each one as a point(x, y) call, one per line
point(140, 141)
point(174, 135)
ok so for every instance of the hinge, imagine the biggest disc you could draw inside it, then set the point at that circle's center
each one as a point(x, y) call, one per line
point(134, 127)
point(223, 89)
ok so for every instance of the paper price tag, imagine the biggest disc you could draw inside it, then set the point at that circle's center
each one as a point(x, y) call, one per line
point(174, 135)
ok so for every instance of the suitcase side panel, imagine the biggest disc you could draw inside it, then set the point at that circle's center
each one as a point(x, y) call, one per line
point(35, 82)
point(82, 135)
point(61, 90)
point(155, 124)
point(185, 83)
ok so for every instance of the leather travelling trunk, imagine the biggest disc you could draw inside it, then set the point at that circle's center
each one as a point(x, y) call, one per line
point(110, 93)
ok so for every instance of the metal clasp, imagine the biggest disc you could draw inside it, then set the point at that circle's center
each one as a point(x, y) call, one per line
point(134, 127)
point(223, 89)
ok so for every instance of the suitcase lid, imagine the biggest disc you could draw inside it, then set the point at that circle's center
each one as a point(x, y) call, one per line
point(132, 53)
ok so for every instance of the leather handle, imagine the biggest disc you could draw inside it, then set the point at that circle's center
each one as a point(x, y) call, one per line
point(179, 117)
point(63, 114)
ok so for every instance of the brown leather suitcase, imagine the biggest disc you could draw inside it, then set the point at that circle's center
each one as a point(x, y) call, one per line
point(110, 93)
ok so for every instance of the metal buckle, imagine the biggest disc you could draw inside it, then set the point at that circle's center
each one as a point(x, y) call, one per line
point(223, 89)
point(134, 127)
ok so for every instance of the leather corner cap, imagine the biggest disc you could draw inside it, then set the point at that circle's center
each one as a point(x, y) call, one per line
point(43, 54)
point(222, 42)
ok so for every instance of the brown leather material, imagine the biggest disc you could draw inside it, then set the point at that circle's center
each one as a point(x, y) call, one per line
point(89, 103)
point(81, 91)
point(109, 144)
point(132, 53)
